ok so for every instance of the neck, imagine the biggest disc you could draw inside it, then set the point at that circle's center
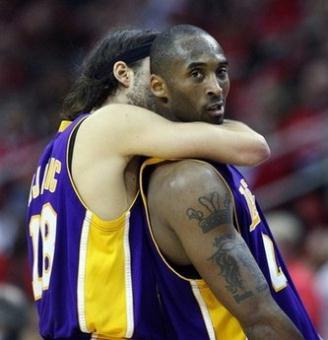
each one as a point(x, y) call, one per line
point(119, 97)
point(165, 112)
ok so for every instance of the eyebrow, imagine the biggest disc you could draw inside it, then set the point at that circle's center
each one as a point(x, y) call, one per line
point(200, 64)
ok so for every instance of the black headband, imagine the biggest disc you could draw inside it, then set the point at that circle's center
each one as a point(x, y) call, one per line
point(129, 56)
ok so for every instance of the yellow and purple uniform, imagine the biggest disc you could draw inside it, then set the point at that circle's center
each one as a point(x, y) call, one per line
point(91, 278)
point(97, 279)
point(192, 310)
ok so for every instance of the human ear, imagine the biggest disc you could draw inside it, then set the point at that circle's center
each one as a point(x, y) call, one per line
point(158, 87)
point(122, 73)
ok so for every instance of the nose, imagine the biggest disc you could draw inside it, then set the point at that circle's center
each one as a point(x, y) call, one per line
point(214, 89)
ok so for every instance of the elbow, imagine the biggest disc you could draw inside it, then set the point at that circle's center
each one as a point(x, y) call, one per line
point(262, 152)
point(257, 154)
point(268, 321)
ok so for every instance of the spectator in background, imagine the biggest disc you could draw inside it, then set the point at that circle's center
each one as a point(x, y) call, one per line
point(316, 245)
point(273, 45)
point(13, 312)
point(288, 231)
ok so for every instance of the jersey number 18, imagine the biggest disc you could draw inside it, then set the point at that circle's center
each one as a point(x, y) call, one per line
point(42, 230)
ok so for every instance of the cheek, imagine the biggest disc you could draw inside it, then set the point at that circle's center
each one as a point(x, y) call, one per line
point(179, 95)
point(186, 97)
point(191, 96)
point(226, 88)
point(187, 101)
point(184, 107)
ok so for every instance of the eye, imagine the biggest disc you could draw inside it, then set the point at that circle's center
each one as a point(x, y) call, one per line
point(222, 73)
point(197, 74)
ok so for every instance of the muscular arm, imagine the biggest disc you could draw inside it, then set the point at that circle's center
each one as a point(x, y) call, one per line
point(194, 203)
point(131, 130)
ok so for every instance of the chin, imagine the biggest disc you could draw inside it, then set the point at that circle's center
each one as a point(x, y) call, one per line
point(215, 120)
point(221, 120)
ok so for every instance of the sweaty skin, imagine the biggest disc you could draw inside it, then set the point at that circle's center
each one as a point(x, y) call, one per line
point(191, 211)
point(109, 139)
point(131, 131)
point(191, 207)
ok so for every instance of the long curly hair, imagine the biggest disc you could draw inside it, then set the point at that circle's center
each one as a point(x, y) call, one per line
point(96, 81)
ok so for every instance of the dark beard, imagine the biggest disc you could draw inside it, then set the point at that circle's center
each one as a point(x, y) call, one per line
point(143, 99)
point(142, 96)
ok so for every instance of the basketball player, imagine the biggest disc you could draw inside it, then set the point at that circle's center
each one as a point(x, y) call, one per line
point(89, 254)
point(219, 272)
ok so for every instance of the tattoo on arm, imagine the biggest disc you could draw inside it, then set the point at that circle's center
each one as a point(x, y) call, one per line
point(230, 254)
point(217, 211)
point(229, 267)
point(261, 284)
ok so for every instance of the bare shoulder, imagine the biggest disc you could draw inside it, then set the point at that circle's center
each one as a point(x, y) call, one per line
point(105, 116)
point(121, 113)
point(106, 126)
point(180, 193)
point(184, 176)
point(174, 186)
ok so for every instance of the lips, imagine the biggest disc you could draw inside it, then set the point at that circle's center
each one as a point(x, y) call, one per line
point(216, 109)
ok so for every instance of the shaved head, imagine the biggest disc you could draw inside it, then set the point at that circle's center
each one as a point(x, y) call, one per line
point(180, 42)
point(190, 77)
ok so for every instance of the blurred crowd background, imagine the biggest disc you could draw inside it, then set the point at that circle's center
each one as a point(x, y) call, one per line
point(278, 53)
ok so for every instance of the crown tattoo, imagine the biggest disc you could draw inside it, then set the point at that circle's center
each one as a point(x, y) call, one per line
point(215, 215)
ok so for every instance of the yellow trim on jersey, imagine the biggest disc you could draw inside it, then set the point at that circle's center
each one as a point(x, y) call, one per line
point(63, 125)
point(152, 161)
point(97, 221)
point(104, 277)
point(216, 317)
point(82, 272)
point(108, 285)
point(225, 325)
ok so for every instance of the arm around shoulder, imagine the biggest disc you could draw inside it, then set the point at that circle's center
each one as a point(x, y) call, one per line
point(131, 130)
point(251, 147)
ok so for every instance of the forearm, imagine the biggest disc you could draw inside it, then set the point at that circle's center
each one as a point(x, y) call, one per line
point(140, 132)
point(225, 143)
point(246, 146)
point(271, 326)
point(236, 125)
point(282, 330)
